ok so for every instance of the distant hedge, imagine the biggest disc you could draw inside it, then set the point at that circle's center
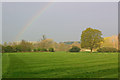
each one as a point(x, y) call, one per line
point(7, 49)
point(51, 50)
point(107, 49)
point(34, 50)
point(74, 49)
point(38, 49)
point(43, 49)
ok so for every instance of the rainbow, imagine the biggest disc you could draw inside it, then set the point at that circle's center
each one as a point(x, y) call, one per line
point(32, 20)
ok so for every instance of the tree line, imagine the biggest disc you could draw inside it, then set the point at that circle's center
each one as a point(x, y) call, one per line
point(90, 39)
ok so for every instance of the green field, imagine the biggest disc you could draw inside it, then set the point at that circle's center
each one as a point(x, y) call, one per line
point(60, 65)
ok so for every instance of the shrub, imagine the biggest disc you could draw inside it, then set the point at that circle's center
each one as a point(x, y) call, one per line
point(74, 49)
point(38, 49)
point(8, 49)
point(34, 50)
point(107, 49)
point(18, 48)
point(43, 49)
point(51, 50)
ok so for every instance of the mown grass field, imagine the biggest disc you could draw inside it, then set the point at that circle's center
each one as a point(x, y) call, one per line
point(60, 65)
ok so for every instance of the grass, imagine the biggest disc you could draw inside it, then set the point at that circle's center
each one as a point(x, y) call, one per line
point(60, 65)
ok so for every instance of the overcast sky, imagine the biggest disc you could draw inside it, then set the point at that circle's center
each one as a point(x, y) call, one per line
point(60, 21)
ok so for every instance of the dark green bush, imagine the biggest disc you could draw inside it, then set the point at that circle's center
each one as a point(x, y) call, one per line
point(18, 48)
point(38, 49)
point(43, 49)
point(8, 49)
point(107, 49)
point(51, 50)
point(74, 49)
point(34, 50)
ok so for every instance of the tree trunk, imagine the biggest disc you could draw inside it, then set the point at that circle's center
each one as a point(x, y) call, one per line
point(91, 50)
